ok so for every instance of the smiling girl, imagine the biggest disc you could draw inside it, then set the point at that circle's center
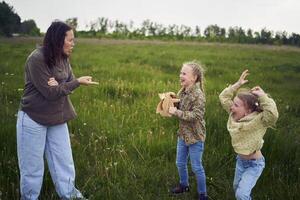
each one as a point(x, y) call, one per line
point(250, 114)
point(191, 133)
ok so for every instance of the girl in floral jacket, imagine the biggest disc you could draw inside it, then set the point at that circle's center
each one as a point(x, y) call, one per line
point(191, 133)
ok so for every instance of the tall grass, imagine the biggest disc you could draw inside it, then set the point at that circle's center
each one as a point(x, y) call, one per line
point(123, 150)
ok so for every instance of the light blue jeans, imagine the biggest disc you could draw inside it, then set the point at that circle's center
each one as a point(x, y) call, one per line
point(194, 151)
point(246, 175)
point(33, 141)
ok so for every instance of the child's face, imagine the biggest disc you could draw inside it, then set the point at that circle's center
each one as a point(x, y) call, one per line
point(187, 77)
point(239, 109)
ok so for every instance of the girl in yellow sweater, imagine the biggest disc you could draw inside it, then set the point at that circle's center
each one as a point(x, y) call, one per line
point(250, 114)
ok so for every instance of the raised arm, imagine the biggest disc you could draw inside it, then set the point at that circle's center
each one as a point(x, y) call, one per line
point(268, 105)
point(227, 94)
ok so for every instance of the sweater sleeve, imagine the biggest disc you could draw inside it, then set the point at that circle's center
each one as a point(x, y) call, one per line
point(197, 110)
point(226, 98)
point(39, 75)
point(71, 76)
point(270, 112)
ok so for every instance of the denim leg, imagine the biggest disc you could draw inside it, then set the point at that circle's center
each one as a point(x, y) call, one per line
point(60, 161)
point(196, 152)
point(249, 177)
point(181, 162)
point(239, 170)
point(31, 138)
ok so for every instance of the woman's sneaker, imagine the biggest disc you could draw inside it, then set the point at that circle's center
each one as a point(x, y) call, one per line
point(180, 189)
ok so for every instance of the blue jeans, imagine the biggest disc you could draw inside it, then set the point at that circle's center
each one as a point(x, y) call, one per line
point(246, 175)
point(33, 141)
point(195, 152)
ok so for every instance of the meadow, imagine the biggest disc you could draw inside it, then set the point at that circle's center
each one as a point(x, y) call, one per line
point(123, 150)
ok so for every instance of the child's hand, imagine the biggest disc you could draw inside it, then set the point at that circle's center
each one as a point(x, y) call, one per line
point(172, 110)
point(52, 82)
point(241, 80)
point(257, 91)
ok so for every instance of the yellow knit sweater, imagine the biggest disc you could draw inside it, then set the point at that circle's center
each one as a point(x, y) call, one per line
point(247, 133)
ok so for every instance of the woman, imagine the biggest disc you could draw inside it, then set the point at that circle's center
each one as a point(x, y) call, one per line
point(44, 111)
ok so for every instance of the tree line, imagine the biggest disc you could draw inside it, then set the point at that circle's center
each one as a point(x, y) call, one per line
point(105, 28)
point(10, 23)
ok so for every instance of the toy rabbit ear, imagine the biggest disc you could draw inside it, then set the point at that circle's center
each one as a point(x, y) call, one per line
point(162, 95)
point(174, 96)
point(159, 107)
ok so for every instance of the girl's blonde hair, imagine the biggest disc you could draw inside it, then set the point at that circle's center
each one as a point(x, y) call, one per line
point(198, 70)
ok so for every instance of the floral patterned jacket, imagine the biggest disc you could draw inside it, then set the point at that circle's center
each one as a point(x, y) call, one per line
point(191, 119)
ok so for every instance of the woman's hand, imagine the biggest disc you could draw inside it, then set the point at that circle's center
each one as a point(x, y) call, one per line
point(241, 80)
point(52, 82)
point(87, 80)
point(257, 91)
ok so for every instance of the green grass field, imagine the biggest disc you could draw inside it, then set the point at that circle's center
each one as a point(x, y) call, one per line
point(123, 150)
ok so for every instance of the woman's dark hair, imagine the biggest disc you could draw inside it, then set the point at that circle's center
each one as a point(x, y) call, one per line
point(250, 101)
point(54, 41)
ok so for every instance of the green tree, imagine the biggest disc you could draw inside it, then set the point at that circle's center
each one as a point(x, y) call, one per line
point(197, 31)
point(28, 27)
point(9, 20)
point(294, 39)
point(249, 33)
point(214, 32)
point(211, 31)
point(120, 29)
point(73, 22)
point(237, 34)
point(172, 30)
point(185, 31)
point(265, 36)
point(103, 25)
point(280, 38)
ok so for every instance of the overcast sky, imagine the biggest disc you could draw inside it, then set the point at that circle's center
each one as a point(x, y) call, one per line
point(275, 15)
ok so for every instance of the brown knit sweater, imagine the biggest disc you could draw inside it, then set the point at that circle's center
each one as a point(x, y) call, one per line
point(48, 105)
